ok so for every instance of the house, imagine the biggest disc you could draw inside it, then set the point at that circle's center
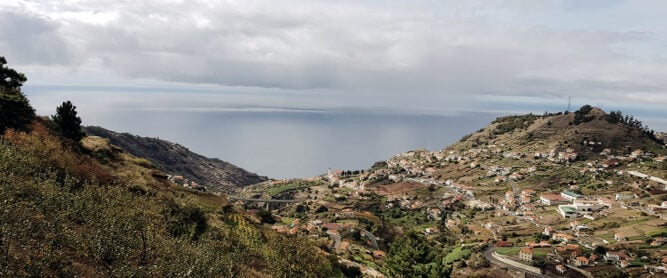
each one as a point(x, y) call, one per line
point(527, 192)
point(379, 254)
point(581, 261)
point(561, 269)
point(571, 196)
point(562, 237)
point(550, 199)
point(593, 257)
point(332, 226)
point(516, 176)
point(509, 196)
point(656, 208)
point(567, 211)
point(526, 254)
point(504, 244)
point(658, 241)
point(605, 202)
point(579, 207)
point(619, 237)
point(432, 230)
point(616, 256)
point(525, 199)
point(548, 231)
point(533, 244)
point(624, 196)
point(611, 163)
point(566, 252)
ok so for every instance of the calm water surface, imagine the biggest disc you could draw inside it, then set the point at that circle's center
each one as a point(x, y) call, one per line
point(296, 144)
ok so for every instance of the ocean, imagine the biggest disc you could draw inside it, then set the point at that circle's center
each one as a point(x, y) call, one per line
point(287, 134)
point(290, 144)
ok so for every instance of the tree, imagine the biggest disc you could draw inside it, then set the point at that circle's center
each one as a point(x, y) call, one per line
point(15, 110)
point(67, 123)
point(10, 78)
point(413, 256)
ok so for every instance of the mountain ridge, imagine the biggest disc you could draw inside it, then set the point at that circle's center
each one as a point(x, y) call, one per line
point(177, 160)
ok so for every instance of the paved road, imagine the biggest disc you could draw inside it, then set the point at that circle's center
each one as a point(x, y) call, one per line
point(488, 255)
point(371, 237)
point(237, 198)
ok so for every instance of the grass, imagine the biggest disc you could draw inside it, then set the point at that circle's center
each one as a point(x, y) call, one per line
point(608, 237)
point(636, 263)
point(507, 251)
point(273, 191)
point(457, 254)
point(539, 254)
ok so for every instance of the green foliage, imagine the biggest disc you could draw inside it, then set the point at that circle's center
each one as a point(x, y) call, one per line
point(321, 209)
point(53, 226)
point(15, 109)
point(10, 78)
point(457, 254)
point(290, 257)
point(143, 162)
point(465, 137)
point(67, 123)
point(581, 115)
point(266, 217)
point(628, 120)
point(378, 165)
point(508, 250)
point(413, 256)
point(187, 221)
point(511, 123)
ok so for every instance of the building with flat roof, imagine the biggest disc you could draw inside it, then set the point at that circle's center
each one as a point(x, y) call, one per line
point(571, 196)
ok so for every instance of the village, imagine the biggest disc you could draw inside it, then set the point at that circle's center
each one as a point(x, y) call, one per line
point(616, 219)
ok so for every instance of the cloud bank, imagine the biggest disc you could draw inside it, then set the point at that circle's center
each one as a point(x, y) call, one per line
point(434, 54)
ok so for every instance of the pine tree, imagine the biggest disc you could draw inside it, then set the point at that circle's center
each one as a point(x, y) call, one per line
point(15, 110)
point(67, 123)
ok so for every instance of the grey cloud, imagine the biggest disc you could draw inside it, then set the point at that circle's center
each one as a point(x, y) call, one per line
point(437, 52)
point(28, 39)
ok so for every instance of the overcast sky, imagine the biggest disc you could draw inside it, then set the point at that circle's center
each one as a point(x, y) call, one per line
point(416, 56)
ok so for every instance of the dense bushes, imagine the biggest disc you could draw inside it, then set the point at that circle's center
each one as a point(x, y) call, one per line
point(413, 256)
point(582, 115)
point(628, 120)
point(53, 223)
point(511, 123)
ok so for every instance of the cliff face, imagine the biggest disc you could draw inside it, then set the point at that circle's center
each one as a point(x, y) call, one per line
point(215, 174)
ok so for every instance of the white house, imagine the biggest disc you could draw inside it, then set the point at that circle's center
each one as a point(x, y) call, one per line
point(552, 199)
point(571, 196)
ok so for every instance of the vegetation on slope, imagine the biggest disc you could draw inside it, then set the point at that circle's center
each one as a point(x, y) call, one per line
point(76, 217)
point(175, 159)
point(90, 210)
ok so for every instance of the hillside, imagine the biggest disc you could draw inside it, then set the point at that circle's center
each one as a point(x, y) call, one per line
point(176, 160)
point(445, 212)
point(78, 206)
point(96, 211)
point(533, 133)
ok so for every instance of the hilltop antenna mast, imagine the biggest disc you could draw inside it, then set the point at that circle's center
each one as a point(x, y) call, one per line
point(569, 103)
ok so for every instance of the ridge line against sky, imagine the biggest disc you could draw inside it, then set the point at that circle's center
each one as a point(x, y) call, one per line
point(416, 56)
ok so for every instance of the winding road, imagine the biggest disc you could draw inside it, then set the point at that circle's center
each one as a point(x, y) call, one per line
point(488, 254)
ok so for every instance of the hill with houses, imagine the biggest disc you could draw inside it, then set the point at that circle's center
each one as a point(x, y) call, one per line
point(579, 194)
